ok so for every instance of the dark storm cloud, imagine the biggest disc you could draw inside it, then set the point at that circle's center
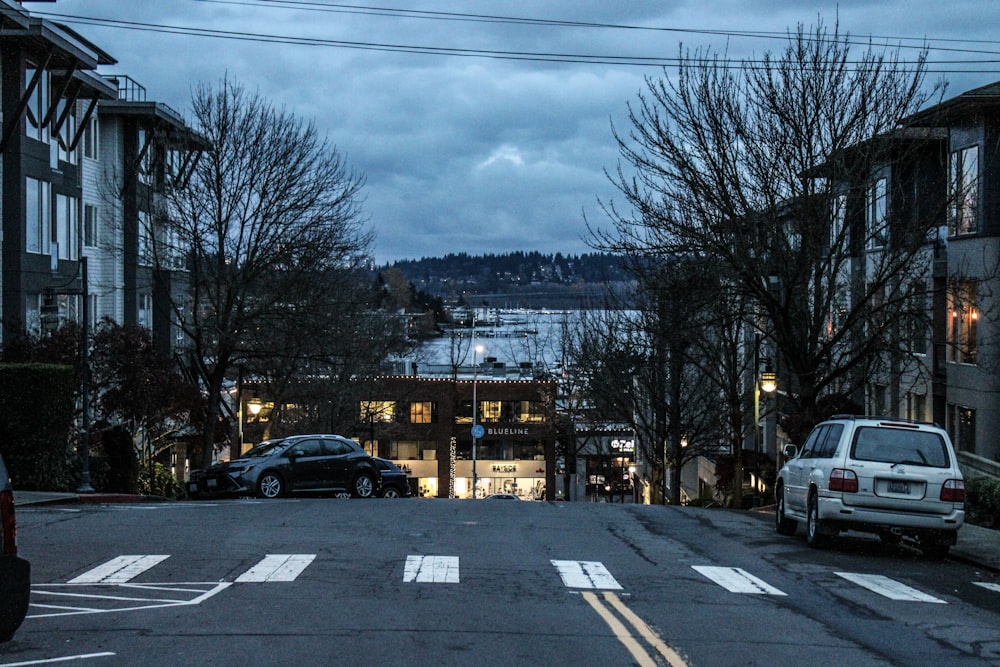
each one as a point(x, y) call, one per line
point(471, 154)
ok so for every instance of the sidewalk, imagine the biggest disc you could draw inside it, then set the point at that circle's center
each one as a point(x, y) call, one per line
point(977, 546)
point(54, 498)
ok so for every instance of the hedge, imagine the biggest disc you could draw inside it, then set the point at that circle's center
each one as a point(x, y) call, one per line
point(36, 425)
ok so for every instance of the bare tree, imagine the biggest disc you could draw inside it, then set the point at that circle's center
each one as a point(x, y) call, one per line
point(271, 215)
point(750, 166)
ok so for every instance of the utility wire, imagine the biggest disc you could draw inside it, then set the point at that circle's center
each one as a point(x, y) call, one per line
point(632, 61)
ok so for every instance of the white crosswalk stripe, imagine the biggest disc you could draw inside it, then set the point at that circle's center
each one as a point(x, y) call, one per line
point(118, 570)
point(989, 586)
point(737, 580)
point(889, 588)
point(431, 570)
point(277, 567)
point(586, 574)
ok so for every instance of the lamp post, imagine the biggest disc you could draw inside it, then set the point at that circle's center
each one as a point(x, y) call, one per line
point(767, 382)
point(477, 430)
point(50, 322)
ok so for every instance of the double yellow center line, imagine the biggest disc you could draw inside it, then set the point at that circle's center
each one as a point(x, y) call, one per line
point(626, 637)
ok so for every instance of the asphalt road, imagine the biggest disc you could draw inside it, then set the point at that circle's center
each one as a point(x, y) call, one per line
point(325, 581)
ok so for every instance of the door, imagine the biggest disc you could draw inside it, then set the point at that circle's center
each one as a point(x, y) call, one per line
point(797, 472)
point(306, 460)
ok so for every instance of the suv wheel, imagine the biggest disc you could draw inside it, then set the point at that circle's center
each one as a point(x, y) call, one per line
point(814, 527)
point(364, 486)
point(391, 492)
point(783, 524)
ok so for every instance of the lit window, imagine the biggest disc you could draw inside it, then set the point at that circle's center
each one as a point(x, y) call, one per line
point(963, 313)
point(489, 411)
point(530, 411)
point(421, 412)
point(378, 411)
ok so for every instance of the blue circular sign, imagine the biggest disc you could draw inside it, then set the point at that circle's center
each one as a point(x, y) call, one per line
point(478, 431)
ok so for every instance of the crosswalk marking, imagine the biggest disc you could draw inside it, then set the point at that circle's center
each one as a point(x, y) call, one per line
point(118, 570)
point(737, 580)
point(431, 570)
point(586, 574)
point(277, 567)
point(889, 588)
point(989, 586)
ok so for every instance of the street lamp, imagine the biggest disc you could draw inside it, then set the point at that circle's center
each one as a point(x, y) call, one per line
point(477, 430)
point(50, 320)
point(254, 406)
point(768, 383)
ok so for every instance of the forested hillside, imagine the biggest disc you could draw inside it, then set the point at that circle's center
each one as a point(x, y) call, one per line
point(518, 279)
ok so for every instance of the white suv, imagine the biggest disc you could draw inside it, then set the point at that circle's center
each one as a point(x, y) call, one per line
point(892, 477)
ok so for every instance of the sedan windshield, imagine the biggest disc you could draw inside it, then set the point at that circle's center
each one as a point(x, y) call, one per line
point(269, 448)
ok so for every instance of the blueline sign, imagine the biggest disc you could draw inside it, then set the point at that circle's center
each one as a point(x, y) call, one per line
point(478, 431)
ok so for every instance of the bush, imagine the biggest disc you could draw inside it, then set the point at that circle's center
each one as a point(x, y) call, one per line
point(36, 419)
point(982, 501)
point(163, 482)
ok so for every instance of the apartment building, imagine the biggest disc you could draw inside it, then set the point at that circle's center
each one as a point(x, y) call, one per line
point(85, 162)
point(965, 354)
point(942, 172)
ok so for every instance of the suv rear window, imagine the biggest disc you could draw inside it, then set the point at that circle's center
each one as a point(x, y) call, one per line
point(900, 445)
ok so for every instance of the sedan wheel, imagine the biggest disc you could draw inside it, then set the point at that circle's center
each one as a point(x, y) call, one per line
point(391, 492)
point(270, 485)
point(364, 486)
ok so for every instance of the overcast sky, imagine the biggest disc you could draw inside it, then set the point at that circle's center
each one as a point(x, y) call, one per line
point(476, 154)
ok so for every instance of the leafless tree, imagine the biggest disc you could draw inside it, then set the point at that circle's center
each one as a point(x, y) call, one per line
point(266, 226)
point(750, 164)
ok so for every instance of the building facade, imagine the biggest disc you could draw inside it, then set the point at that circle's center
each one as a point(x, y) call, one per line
point(949, 181)
point(86, 160)
point(426, 425)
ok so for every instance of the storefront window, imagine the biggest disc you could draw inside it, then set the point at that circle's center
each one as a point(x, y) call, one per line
point(490, 411)
point(422, 412)
point(378, 411)
point(530, 411)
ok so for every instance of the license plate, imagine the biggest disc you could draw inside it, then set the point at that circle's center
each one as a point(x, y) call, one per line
point(899, 487)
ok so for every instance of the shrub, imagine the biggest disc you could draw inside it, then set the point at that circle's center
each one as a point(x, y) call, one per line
point(982, 501)
point(36, 419)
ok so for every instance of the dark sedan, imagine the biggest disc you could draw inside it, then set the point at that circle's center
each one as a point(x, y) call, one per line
point(394, 483)
point(289, 465)
point(15, 572)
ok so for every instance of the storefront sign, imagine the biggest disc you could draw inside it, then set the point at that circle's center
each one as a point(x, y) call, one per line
point(624, 446)
point(510, 468)
point(498, 430)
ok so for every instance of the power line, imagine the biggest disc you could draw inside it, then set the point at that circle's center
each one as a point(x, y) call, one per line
point(570, 58)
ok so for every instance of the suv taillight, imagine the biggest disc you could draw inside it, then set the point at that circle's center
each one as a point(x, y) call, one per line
point(9, 527)
point(843, 480)
point(953, 491)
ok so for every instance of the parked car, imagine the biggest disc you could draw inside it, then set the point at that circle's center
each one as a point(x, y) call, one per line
point(895, 478)
point(293, 464)
point(393, 481)
point(15, 572)
point(502, 496)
